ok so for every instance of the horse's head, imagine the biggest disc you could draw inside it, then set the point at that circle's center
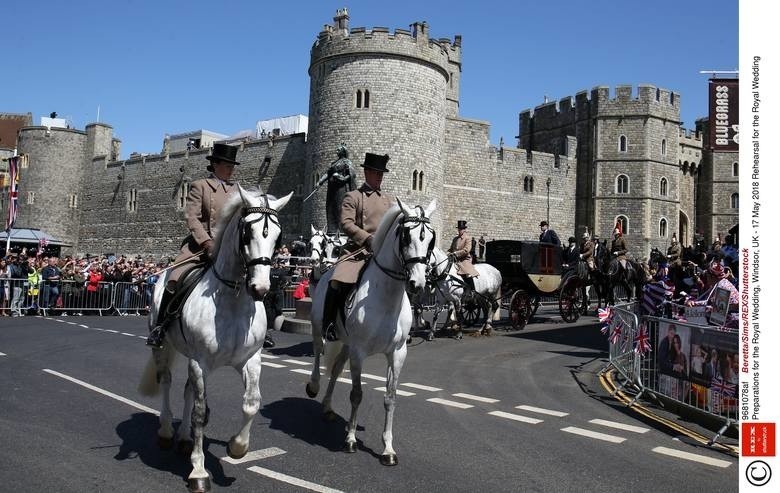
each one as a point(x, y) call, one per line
point(317, 244)
point(416, 242)
point(439, 264)
point(260, 234)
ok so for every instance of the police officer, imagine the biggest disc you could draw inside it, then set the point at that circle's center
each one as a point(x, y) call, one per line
point(361, 212)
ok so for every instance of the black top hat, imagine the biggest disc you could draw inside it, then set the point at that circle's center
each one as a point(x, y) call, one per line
point(543, 223)
point(222, 152)
point(572, 239)
point(461, 224)
point(376, 162)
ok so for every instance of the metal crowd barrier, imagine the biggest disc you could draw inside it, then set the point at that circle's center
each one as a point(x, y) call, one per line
point(132, 297)
point(693, 365)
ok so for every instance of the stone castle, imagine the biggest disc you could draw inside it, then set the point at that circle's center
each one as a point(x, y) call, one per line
point(583, 163)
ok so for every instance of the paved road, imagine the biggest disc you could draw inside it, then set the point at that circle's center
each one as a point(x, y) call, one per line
point(519, 411)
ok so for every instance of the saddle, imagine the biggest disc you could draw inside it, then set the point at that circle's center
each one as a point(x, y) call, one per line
point(184, 287)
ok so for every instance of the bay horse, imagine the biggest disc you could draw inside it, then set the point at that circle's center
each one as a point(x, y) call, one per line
point(378, 317)
point(222, 323)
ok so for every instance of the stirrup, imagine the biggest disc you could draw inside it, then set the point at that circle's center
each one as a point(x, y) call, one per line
point(156, 337)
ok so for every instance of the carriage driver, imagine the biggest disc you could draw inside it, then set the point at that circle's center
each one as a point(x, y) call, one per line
point(586, 253)
point(361, 212)
point(459, 250)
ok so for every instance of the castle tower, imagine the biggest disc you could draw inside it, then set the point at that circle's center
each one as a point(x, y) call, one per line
point(382, 93)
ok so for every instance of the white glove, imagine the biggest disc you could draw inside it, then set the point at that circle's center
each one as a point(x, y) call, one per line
point(581, 257)
point(614, 253)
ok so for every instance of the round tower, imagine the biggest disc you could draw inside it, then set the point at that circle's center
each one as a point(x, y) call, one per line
point(382, 93)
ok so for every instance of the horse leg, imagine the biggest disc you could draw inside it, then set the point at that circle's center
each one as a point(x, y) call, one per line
point(395, 361)
point(318, 345)
point(163, 358)
point(239, 444)
point(199, 478)
point(184, 435)
point(355, 396)
point(457, 319)
point(335, 370)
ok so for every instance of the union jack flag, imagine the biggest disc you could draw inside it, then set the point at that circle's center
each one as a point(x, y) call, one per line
point(642, 340)
point(605, 315)
point(13, 192)
point(617, 333)
point(720, 386)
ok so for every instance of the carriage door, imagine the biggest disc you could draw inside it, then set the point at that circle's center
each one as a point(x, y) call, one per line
point(546, 259)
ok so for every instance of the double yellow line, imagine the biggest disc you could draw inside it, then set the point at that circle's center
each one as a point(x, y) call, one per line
point(608, 383)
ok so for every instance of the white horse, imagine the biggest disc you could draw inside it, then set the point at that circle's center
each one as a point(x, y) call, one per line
point(324, 251)
point(451, 287)
point(379, 317)
point(223, 323)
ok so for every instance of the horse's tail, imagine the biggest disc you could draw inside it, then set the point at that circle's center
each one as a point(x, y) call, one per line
point(497, 313)
point(332, 350)
point(149, 385)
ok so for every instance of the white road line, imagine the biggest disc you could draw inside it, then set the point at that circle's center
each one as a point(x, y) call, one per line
point(71, 323)
point(104, 392)
point(3, 354)
point(476, 398)
point(256, 455)
point(620, 426)
point(140, 337)
point(373, 377)
point(348, 380)
point(421, 387)
point(126, 334)
point(540, 410)
point(400, 392)
point(694, 457)
point(107, 330)
point(57, 320)
point(296, 362)
point(594, 434)
point(85, 326)
point(292, 480)
point(445, 402)
point(270, 356)
point(301, 370)
point(516, 417)
point(273, 365)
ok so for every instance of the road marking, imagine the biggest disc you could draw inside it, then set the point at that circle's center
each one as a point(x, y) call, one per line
point(476, 398)
point(85, 326)
point(292, 480)
point(273, 365)
point(104, 392)
point(270, 356)
point(516, 417)
point(140, 337)
point(301, 370)
point(400, 392)
point(421, 387)
point(126, 334)
point(107, 330)
point(620, 426)
point(3, 354)
point(694, 457)
point(445, 402)
point(593, 434)
point(373, 377)
point(256, 455)
point(58, 320)
point(296, 362)
point(71, 323)
point(557, 414)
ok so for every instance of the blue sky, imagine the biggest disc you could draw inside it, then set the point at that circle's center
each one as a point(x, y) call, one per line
point(157, 67)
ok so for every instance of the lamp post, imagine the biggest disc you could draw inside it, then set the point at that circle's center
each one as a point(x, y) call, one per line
point(549, 180)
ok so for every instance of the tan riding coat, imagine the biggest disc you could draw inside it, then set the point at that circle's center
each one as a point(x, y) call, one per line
point(673, 255)
point(204, 204)
point(461, 248)
point(587, 254)
point(619, 247)
point(361, 212)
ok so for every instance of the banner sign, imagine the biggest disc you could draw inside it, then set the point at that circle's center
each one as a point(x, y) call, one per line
point(724, 114)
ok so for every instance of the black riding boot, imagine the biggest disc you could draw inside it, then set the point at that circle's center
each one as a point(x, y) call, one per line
point(269, 341)
point(157, 334)
point(470, 282)
point(334, 299)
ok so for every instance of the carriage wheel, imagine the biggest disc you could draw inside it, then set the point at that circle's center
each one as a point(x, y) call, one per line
point(520, 310)
point(470, 311)
point(570, 300)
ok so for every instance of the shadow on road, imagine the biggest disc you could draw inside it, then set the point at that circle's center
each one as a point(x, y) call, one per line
point(300, 349)
point(139, 440)
point(584, 336)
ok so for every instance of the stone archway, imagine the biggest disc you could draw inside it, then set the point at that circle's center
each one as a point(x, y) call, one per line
point(683, 233)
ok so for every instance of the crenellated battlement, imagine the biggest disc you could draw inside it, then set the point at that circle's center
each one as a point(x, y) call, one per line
point(690, 136)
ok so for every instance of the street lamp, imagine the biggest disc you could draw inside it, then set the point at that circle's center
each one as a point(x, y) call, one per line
point(549, 180)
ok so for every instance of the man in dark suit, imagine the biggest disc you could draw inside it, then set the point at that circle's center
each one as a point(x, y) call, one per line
point(548, 235)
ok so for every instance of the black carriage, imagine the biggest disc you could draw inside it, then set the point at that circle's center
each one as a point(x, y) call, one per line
point(531, 270)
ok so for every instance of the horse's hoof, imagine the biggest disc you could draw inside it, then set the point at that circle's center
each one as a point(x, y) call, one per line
point(475, 334)
point(330, 416)
point(310, 391)
point(389, 460)
point(459, 336)
point(350, 447)
point(184, 447)
point(165, 443)
point(236, 451)
point(199, 485)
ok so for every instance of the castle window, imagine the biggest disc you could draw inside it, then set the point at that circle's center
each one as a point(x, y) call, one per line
point(671, 98)
point(366, 99)
point(623, 145)
point(735, 169)
point(181, 195)
point(664, 187)
point(622, 184)
point(420, 181)
point(663, 147)
point(528, 184)
point(359, 99)
point(735, 201)
point(414, 180)
point(662, 228)
point(73, 201)
point(132, 202)
point(623, 221)
point(30, 197)
point(658, 95)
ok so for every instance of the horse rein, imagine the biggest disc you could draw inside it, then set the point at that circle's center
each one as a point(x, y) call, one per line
point(424, 224)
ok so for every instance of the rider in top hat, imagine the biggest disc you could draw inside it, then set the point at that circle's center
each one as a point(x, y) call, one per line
point(460, 250)
point(548, 235)
point(361, 212)
point(204, 203)
point(571, 254)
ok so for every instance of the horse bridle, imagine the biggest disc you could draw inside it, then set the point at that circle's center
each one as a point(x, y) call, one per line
point(326, 240)
point(404, 234)
point(245, 234)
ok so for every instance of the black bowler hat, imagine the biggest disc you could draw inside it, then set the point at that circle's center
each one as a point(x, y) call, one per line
point(461, 224)
point(222, 152)
point(543, 223)
point(376, 162)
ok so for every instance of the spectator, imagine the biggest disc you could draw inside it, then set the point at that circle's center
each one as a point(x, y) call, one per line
point(51, 283)
point(5, 274)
